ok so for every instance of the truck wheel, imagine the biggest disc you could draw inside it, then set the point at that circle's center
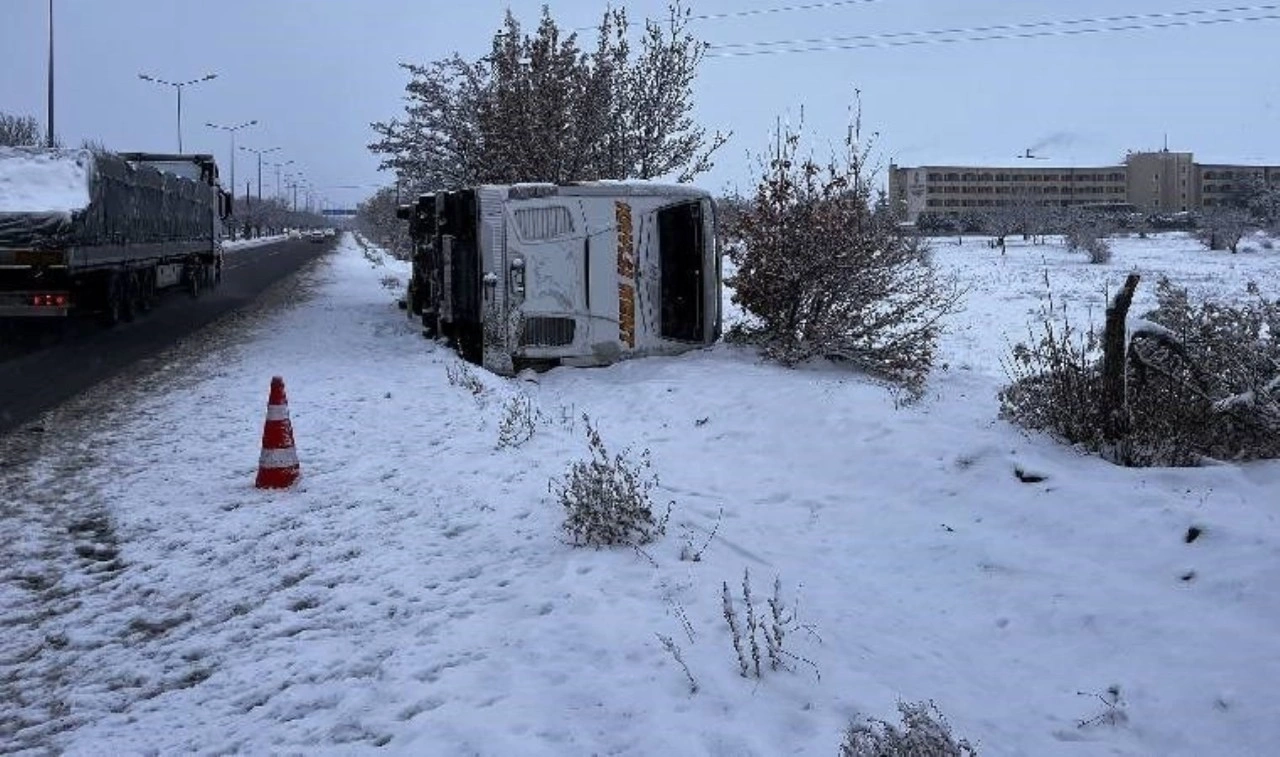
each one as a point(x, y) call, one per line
point(130, 298)
point(147, 290)
point(112, 300)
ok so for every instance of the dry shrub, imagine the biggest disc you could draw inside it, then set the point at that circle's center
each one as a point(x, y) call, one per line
point(607, 498)
point(1202, 382)
point(924, 733)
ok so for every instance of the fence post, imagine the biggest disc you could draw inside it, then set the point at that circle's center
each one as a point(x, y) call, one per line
point(1115, 409)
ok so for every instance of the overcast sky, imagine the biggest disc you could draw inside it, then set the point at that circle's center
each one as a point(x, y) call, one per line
point(315, 73)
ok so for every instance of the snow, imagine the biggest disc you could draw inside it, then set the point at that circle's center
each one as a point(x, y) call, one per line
point(413, 592)
point(245, 244)
point(35, 180)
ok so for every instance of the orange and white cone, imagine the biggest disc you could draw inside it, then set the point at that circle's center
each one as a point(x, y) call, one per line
point(278, 466)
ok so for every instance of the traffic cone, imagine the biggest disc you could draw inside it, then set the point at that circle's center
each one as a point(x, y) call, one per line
point(278, 465)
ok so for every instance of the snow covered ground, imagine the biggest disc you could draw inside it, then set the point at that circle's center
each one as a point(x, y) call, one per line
point(246, 244)
point(414, 593)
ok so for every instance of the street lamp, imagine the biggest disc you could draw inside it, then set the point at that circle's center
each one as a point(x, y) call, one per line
point(278, 166)
point(232, 131)
point(49, 139)
point(178, 86)
point(260, 153)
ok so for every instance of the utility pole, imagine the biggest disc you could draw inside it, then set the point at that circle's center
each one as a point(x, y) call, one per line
point(49, 118)
point(178, 86)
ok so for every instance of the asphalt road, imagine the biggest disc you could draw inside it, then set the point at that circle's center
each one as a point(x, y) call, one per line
point(33, 381)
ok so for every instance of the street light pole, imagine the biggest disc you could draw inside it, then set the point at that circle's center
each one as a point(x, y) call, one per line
point(278, 166)
point(260, 153)
point(178, 86)
point(232, 131)
point(49, 118)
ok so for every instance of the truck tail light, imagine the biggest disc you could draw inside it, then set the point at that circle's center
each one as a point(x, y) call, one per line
point(50, 300)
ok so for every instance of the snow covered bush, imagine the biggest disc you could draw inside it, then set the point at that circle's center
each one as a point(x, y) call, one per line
point(519, 421)
point(1088, 235)
point(460, 375)
point(924, 733)
point(827, 275)
point(748, 628)
point(1206, 380)
point(607, 498)
point(1054, 380)
point(1202, 380)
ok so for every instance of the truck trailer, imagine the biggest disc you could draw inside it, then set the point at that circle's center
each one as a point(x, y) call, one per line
point(85, 231)
point(539, 275)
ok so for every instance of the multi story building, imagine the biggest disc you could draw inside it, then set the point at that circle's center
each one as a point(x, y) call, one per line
point(1153, 182)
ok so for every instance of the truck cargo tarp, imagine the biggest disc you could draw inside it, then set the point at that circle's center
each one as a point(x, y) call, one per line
point(125, 202)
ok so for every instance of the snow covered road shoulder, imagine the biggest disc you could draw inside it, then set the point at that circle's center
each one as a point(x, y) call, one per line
point(414, 592)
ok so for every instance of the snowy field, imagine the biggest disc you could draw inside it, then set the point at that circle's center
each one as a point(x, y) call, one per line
point(414, 593)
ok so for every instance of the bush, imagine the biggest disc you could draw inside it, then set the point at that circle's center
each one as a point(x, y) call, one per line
point(924, 733)
point(828, 276)
point(606, 499)
point(1054, 379)
point(1088, 235)
point(1202, 381)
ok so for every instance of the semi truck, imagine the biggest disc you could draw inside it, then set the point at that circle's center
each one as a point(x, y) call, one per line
point(92, 232)
point(539, 275)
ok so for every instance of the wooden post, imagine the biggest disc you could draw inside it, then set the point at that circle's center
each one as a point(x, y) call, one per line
point(1115, 411)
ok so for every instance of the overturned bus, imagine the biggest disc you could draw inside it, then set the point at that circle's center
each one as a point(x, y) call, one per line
point(539, 275)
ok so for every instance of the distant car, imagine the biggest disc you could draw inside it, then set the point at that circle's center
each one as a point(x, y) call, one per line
point(330, 233)
point(316, 235)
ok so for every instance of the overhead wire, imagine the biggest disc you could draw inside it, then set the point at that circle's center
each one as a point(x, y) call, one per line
point(1030, 30)
point(750, 12)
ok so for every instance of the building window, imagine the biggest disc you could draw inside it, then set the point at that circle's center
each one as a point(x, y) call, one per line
point(953, 177)
point(935, 177)
point(934, 203)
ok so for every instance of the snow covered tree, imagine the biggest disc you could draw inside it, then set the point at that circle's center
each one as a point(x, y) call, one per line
point(1223, 228)
point(1260, 199)
point(376, 219)
point(827, 277)
point(20, 131)
point(538, 108)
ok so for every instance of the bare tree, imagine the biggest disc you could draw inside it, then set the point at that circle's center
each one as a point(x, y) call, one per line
point(1223, 228)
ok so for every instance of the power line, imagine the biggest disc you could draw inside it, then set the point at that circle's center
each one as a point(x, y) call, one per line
point(973, 30)
point(729, 15)
point(894, 40)
point(780, 9)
